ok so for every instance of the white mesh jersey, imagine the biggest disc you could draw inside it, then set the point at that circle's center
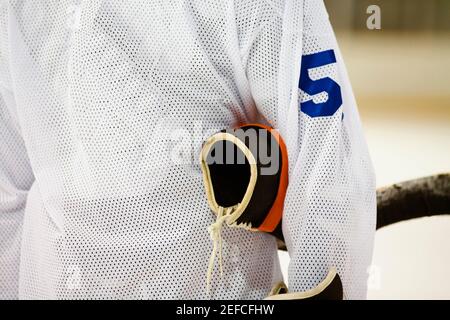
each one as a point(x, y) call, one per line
point(101, 99)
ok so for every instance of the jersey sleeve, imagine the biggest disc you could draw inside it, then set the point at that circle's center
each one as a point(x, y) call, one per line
point(300, 85)
point(16, 177)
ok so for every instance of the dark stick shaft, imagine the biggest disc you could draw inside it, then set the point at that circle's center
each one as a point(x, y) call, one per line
point(408, 200)
point(413, 199)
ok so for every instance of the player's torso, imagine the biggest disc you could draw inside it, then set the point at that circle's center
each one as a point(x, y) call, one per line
point(114, 99)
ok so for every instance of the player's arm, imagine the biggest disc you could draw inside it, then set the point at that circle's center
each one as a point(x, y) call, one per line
point(329, 213)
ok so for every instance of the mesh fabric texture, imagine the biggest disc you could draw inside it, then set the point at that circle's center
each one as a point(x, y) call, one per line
point(103, 109)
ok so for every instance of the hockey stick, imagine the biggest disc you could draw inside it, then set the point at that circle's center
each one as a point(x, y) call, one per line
point(413, 199)
point(409, 200)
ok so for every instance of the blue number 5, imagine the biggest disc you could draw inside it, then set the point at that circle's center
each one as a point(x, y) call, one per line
point(313, 87)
